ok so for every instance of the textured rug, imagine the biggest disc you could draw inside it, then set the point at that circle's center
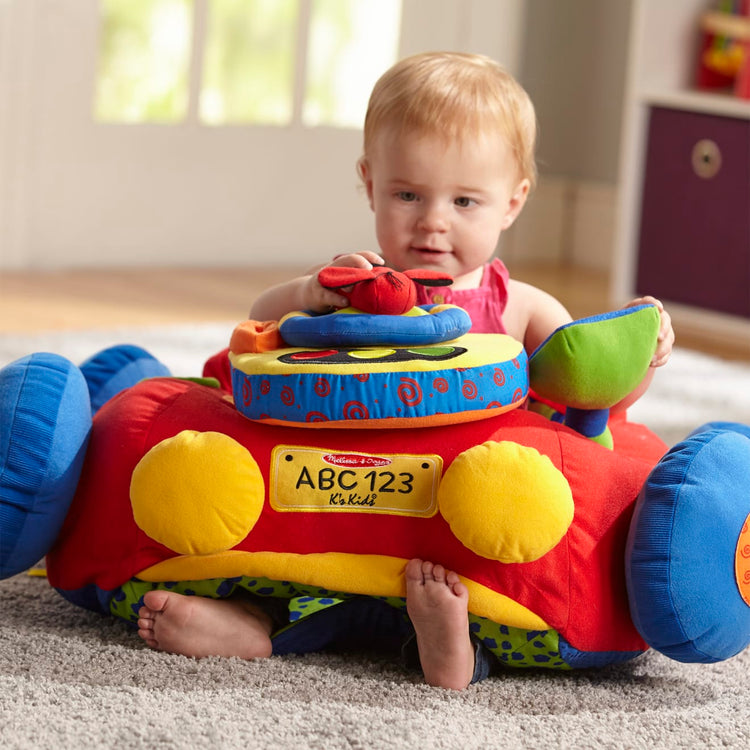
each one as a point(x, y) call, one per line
point(73, 679)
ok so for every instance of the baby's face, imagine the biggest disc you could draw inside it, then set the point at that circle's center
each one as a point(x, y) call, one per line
point(442, 205)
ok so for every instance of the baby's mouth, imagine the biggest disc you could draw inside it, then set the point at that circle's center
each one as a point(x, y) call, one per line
point(429, 250)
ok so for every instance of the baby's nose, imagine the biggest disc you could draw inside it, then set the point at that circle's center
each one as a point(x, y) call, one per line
point(434, 218)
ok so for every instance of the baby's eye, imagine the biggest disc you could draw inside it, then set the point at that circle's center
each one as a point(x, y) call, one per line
point(464, 202)
point(407, 196)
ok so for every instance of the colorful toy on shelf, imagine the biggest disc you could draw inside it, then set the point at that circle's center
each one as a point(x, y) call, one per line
point(724, 58)
point(574, 554)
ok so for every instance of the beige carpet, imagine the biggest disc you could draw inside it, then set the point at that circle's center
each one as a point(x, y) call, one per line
point(72, 679)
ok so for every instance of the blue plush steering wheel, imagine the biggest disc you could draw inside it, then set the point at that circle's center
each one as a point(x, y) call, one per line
point(428, 324)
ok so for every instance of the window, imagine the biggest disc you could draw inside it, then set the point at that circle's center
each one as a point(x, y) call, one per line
point(349, 45)
point(144, 58)
point(248, 65)
point(263, 62)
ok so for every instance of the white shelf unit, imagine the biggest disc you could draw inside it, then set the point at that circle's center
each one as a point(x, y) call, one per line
point(663, 51)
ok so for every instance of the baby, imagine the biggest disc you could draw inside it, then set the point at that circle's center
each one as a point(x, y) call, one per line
point(448, 164)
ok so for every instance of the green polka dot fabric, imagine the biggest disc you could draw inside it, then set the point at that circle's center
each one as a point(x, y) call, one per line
point(514, 647)
point(129, 598)
point(304, 606)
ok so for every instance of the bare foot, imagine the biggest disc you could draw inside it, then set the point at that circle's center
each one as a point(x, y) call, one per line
point(199, 626)
point(437, 603)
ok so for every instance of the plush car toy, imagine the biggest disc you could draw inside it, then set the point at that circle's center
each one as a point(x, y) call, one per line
point(315, 473)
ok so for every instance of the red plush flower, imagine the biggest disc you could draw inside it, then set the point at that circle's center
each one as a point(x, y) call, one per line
point(380, 290)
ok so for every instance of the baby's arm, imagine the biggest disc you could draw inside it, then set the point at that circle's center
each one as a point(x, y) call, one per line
point(305, 292)
point(531, 314)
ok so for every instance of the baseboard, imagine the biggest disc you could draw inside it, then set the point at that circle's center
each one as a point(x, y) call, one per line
point(595, 209)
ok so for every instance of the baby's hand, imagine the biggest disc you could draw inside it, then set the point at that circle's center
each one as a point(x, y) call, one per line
point(366, 259)
point(665, 339)
point(320, 299)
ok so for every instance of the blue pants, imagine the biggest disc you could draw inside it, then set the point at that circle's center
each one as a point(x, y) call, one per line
point(365, 624)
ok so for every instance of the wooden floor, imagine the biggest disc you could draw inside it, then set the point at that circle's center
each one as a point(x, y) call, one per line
point(97, 299)
point(85, 299)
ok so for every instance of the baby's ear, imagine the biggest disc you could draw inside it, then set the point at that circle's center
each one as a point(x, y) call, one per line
point(365, 174)
point(517, 202)
point(336, 277)
point(429, 278)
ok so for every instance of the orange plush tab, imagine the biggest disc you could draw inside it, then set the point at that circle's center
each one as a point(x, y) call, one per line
point(253, 336)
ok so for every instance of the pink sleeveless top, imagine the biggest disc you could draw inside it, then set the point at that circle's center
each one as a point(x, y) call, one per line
point(485, 304)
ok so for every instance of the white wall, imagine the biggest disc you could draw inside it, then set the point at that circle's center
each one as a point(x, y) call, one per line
point(78, 193)
point(75, 194)
point(573, 64)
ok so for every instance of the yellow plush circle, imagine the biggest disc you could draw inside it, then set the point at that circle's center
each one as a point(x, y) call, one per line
point(371, 353)
point(506, 502)
point(197, 493)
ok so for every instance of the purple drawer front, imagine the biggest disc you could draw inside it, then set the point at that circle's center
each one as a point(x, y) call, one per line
point(695, 222)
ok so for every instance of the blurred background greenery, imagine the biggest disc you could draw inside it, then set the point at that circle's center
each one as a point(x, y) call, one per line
point(247, 60)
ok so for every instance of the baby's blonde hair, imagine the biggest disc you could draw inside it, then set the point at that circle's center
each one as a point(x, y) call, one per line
point(454, 95)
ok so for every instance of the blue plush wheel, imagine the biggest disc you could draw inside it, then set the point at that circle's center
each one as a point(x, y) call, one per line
point(741, 429)
point(685, 596)
point(46, 420)
point(112, 370)
point(433, 325)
